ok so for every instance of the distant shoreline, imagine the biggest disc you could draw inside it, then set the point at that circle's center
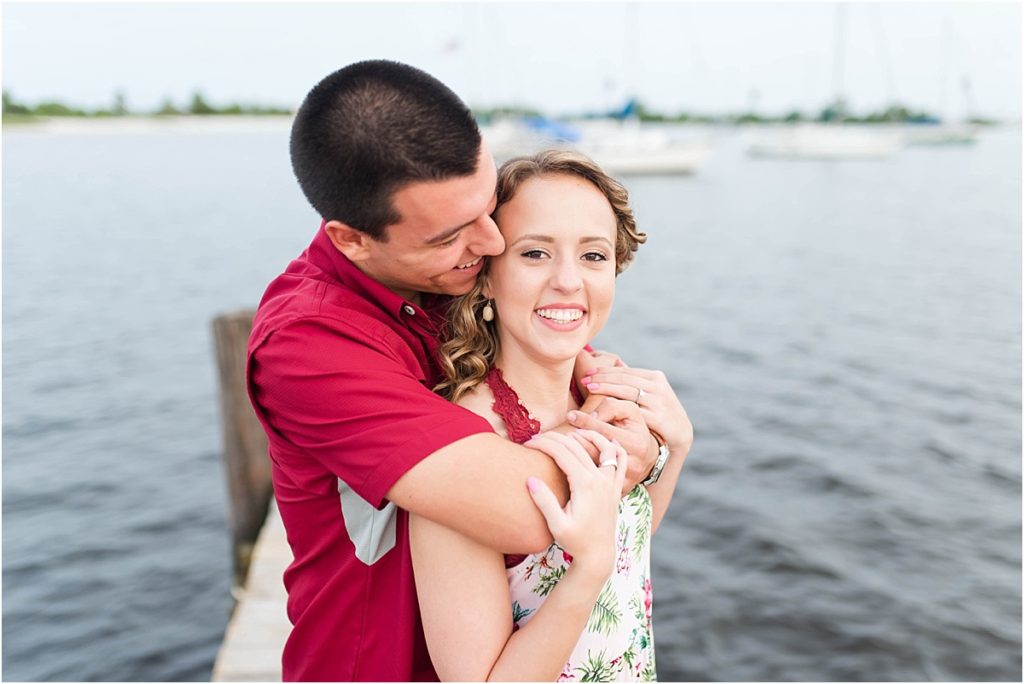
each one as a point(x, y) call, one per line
point(271, 123)
point(150, 124)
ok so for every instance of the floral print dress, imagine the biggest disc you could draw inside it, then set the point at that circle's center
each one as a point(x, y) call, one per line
point(617, 643)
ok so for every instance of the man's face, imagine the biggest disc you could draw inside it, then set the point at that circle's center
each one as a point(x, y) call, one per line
point(445, 231)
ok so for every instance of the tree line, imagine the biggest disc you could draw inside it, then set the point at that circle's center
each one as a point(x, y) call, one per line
point(198, 105)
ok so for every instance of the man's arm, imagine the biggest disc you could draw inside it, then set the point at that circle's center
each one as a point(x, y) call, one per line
point(365, 417)
point(477, 487)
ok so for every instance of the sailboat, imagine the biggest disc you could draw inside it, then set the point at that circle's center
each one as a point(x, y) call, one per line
point(943, 134)
point(827, 141)
point(620, 144)
point(833, 139)
point(624, 146)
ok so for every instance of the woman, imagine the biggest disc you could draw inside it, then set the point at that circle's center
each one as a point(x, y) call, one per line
point(580, 609)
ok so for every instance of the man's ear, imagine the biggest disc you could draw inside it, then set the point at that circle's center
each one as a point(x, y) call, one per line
point(351, 242)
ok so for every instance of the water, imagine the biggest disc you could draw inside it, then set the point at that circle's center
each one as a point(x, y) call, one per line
point(846, 337)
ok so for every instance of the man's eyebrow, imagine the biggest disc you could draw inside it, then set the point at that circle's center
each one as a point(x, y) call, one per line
point(447, 235)
point(452, 232)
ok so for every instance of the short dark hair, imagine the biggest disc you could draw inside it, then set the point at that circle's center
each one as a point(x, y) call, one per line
point(372, 127)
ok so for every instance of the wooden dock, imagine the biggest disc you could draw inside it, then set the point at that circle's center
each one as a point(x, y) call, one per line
point(259, 626)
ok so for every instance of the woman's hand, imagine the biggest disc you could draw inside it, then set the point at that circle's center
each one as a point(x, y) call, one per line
point(659, 405)
point(586, 527)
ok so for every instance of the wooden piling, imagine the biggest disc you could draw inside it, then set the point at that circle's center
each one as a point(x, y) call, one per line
point(245, 444)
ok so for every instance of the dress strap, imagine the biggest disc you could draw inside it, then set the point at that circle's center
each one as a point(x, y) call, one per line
point(519, 424)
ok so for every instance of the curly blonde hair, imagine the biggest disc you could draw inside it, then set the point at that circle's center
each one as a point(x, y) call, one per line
point(471, 344)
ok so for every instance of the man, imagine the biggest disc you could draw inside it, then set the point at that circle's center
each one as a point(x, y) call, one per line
point(342, 362)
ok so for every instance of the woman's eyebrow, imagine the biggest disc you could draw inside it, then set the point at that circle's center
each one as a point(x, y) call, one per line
point(538, 237)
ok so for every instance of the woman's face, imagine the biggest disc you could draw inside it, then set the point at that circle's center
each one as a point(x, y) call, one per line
point(554, 284)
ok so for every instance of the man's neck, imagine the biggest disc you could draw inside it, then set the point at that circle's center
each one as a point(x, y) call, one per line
point(410, 296)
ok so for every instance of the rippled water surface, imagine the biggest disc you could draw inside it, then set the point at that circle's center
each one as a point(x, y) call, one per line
point(845, 335)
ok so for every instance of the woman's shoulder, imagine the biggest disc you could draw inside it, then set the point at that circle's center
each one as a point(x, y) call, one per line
point(479, 401)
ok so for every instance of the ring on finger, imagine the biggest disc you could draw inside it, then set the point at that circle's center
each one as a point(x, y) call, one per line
point(609, 462)
point(639, 395)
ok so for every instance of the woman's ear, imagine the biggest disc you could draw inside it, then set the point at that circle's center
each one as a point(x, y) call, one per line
point(351, 242)
point(485, 285)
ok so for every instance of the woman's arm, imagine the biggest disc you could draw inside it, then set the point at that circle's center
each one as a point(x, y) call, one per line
point(463, 591)
point(467, 612)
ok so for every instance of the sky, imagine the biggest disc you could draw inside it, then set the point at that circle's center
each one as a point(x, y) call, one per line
point(561, 58)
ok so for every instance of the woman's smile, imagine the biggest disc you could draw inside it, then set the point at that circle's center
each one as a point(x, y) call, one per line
point(561, 317)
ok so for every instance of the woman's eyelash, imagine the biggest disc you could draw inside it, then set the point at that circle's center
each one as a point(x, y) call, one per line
point(589, 256)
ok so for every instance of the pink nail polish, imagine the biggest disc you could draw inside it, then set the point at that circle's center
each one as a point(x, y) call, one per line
point(531, 484)
point(593, 386)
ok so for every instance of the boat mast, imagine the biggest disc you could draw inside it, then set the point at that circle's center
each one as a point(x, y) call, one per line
point(838, 54)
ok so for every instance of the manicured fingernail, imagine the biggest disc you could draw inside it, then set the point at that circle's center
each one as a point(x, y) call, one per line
point(531, 484)
point(616, 442)
point(593, 386)
point(572, 416)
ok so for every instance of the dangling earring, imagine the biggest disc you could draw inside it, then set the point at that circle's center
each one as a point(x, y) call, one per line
point(488, 312)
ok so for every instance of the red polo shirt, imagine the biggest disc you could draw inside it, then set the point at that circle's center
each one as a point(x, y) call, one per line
point(340, 373)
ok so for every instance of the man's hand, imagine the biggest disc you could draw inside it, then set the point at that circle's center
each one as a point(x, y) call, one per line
point(623, 422)
point(649, 390)
point(589, 361)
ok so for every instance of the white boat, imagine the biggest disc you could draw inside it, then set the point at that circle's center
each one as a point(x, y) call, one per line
point(620, 147)
point(629, 148)
point(826, 141)
point(963, 134)
point(833, 140)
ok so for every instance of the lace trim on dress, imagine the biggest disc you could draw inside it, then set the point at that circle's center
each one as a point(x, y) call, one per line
point(519, 424)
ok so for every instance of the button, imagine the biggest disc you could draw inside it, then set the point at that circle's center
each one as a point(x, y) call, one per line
point(409, 310)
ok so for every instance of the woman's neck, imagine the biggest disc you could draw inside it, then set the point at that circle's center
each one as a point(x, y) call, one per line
point(543, 389)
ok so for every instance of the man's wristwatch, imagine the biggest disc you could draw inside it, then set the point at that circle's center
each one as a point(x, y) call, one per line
point(659, 464)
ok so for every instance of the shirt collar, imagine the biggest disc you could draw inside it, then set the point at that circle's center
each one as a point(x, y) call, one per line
point(325, 256)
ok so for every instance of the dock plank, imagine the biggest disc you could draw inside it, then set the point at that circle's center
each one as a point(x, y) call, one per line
point(256, 633)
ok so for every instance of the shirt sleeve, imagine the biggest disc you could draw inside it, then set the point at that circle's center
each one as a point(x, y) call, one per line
point(352, 403)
